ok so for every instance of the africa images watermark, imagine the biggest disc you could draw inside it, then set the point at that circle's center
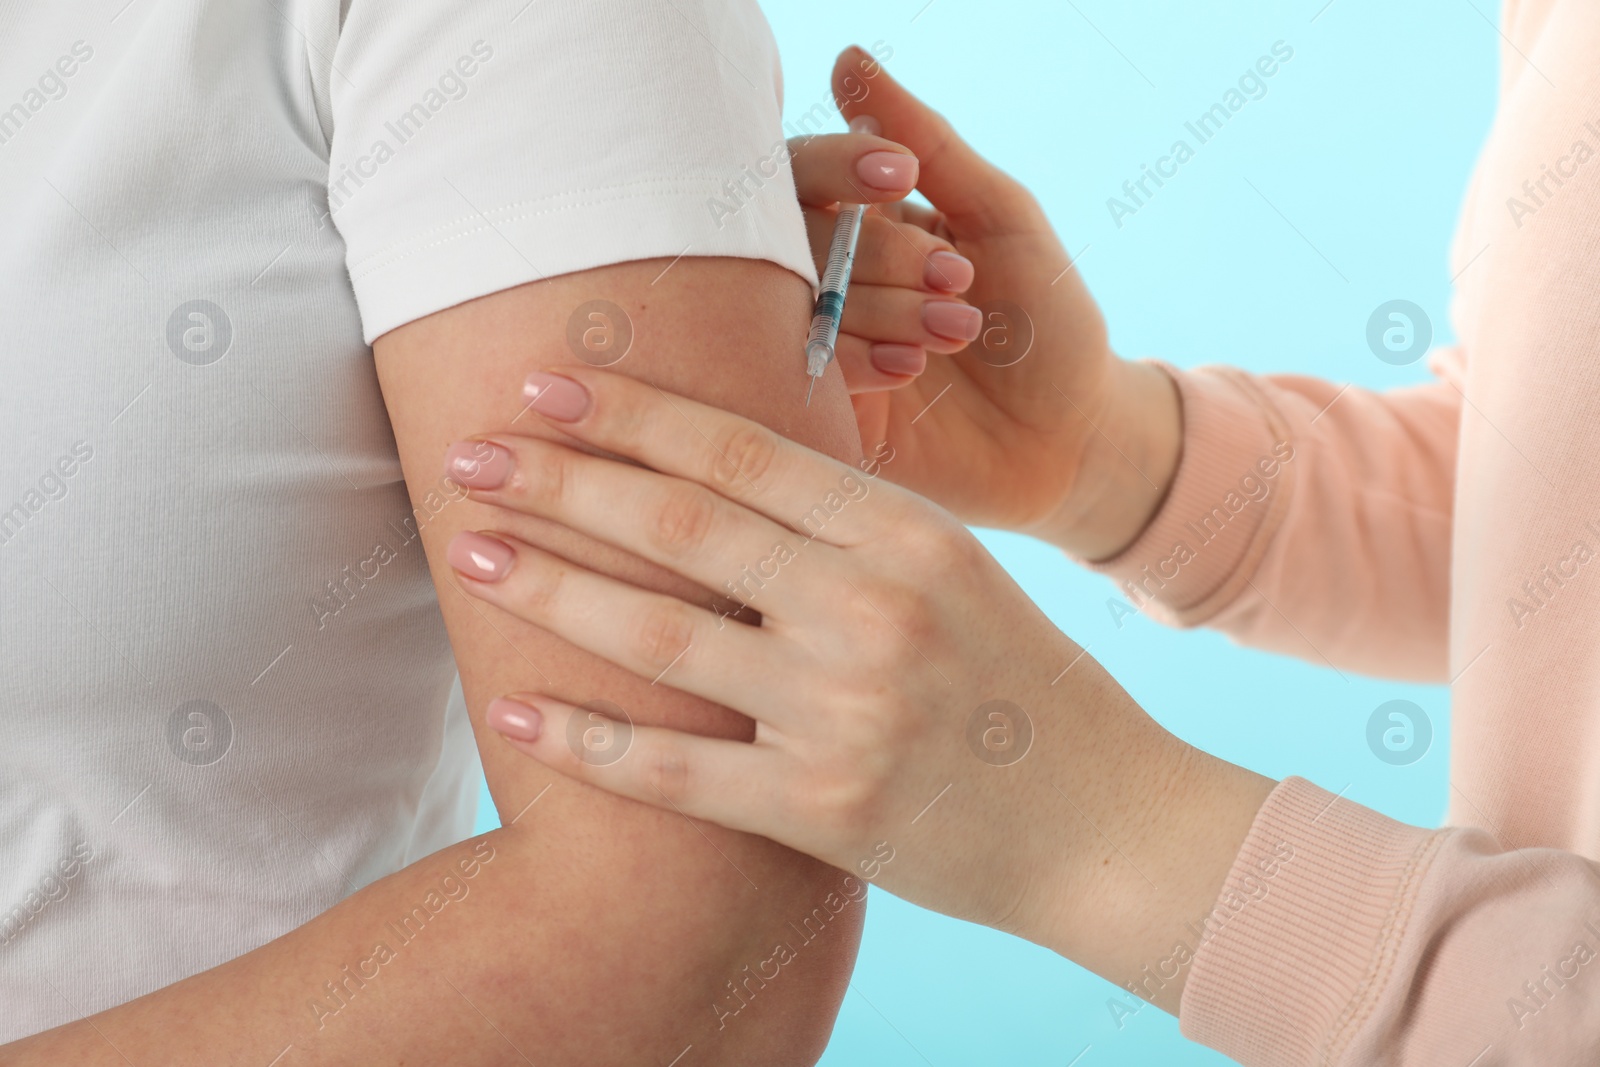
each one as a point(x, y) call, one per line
point(1537, 192)
point(1552, 979)
point(742, 188)
point(1541, 589)
point(742, 989)
point(50, 86)
point(50, 487)
point(451, 85)
point(754, 577)
point(54, 887)
point(1255, 486)
point(339, 593)
point(1252, 85)
point(1233, 901)
point(338, 994)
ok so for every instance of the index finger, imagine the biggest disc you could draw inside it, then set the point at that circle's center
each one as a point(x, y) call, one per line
point(851, 168)
point(806, 491)
point(953, 176)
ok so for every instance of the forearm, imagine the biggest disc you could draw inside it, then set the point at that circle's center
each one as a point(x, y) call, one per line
point(479, 954)
point(1152, 828)
point(330, 992)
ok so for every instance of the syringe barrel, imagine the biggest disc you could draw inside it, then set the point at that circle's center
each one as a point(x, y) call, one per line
point(842, 249)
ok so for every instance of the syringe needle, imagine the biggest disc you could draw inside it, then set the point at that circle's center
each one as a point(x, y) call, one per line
point(809, 388)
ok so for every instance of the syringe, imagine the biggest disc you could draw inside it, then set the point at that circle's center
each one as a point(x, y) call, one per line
point(824, 333)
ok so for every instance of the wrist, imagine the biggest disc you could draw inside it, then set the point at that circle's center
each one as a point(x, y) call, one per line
point(1136, 905)
point(1128, 463)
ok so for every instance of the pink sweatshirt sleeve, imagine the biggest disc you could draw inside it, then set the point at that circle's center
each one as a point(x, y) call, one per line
point(1344, 938)
point(1307, 518)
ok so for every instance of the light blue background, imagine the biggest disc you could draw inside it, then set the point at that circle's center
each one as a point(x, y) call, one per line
point(1363, 143)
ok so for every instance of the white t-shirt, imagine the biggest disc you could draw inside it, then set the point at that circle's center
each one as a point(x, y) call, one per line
point(226, 679)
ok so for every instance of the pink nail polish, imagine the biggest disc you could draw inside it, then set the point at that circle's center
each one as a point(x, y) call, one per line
point(478, 464)
point(949, 272)
point(555, 397)
point(899, 359)
point(514, 719)
point(480, 557)
point(958, 322)
point(892, 172)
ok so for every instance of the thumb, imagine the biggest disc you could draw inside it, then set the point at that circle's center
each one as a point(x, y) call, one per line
point(963, 185)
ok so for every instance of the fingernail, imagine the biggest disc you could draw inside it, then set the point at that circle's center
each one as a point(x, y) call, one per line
point(949, 272)
point(899, 359)
point(556, 397)
point(892, 172)
point(478, 464)
point(958, 322)
point(480, 557)
point(514, 719)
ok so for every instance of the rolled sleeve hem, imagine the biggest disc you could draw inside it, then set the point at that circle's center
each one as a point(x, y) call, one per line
point(1305, 929)
point(500, 248)
point(1197, 554)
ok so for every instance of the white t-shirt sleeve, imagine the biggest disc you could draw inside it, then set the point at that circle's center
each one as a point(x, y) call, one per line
point(481, 146)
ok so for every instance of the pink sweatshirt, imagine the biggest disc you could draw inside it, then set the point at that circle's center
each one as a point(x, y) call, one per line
point(1447, 532)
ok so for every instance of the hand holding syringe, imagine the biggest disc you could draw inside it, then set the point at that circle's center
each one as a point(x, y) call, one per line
point(824, 334)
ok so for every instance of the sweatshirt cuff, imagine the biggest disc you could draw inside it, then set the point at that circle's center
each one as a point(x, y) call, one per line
point(1301, 938)
point(1227, 497)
